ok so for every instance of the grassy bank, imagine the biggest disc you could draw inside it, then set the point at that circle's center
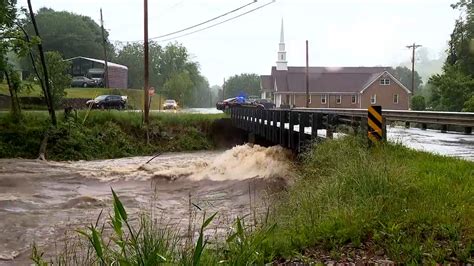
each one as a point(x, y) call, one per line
point(389, 201)
point(350, 204)
point(104, 134)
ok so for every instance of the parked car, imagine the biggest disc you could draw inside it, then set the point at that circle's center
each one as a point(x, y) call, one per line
point(83, 82)
point(225, 104)
point(107, 102)
point(170, 104)
point(96, 74)
point(264, 103)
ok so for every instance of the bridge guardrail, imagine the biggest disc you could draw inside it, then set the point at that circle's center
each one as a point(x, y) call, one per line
point(289, 127)
point(463, 119)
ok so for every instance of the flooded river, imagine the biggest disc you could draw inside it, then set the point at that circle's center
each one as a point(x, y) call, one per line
point(39, 201)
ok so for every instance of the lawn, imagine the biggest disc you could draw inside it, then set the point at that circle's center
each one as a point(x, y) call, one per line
point(135, 97)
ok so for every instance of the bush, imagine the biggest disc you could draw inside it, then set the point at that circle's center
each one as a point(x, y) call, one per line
point(104, 134)
point(418, 103)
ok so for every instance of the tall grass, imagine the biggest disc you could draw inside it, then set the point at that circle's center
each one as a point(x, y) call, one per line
point(122, 241)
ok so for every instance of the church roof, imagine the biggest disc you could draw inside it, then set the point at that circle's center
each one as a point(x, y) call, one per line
point(322, 79)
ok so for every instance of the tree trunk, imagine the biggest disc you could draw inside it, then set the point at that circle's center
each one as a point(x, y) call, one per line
point(33, 63)
point(43, 146)
point(45, 70)
point(15, 108)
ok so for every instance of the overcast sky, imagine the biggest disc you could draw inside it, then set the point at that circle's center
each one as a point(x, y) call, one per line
point(340, 32)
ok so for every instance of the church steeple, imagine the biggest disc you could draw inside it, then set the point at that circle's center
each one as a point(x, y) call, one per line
point(282, 64)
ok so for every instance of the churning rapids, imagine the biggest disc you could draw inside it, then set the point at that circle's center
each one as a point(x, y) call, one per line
point(39, 200)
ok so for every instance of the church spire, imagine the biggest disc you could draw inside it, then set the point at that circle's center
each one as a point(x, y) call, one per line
point(282, 33)
point(282, 64)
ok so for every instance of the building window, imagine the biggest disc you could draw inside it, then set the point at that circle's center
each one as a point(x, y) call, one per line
point(395, 98)
point(353, 99)
point(373, 99)
point(323, 99)
point(385, 82)
point(338, 99)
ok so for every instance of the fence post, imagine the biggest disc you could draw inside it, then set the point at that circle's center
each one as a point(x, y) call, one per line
point(316, 123)
point(282, 128)
point(275, 126)
point(329, 128)
point(302, 135)
point(290, 130)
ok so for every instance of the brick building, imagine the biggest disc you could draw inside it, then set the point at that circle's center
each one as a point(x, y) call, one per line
point(329, 87)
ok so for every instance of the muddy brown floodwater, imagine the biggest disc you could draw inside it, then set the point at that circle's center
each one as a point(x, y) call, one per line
point(39, 200)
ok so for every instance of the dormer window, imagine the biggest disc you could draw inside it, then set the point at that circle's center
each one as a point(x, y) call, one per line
point(384, 81)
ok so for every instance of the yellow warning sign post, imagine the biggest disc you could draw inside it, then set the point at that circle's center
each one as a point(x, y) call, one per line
point(376, 124)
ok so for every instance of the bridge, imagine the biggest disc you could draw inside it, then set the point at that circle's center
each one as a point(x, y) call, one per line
point(296, 128)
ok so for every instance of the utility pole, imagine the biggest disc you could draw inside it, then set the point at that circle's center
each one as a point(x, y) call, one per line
point(223, 91)
point(146, 75)
point(210, 97)
point(307, 75)
point(106, 71)
point(413, 47)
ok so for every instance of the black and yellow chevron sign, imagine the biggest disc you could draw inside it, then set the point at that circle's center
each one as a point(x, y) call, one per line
point(375, 124)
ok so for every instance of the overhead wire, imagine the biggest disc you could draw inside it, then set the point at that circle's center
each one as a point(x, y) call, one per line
point(219, 23)
point(205, 22)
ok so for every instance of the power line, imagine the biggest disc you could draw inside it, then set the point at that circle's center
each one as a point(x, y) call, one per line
point(219, 23)
point(201, 23)
point(204, 22)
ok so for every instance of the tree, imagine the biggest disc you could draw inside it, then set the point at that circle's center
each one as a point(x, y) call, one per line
point(418, 103)
point(469, 105)
point(70, 34)
point(178, 86)
point(59, 78)
point(243, 84)
point(455, 86)
point(404, 75)
point(451, 90)
point(172, 73)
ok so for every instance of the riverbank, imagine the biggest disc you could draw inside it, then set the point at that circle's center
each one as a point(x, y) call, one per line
point(348, 204)
point(105, 134)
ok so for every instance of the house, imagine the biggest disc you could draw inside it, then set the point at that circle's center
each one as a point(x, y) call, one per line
point(329, 87)
point(94, 68)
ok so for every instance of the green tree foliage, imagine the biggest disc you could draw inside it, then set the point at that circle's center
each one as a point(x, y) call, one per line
point(172, 72)
point(418, 103)
point(469, 105)
point(451, 90)
point(177, 86)
point(404, 75)
point(455, 86)
point(59, 78)
point(70, 34)
point(12, 44)
point(131, 55)
point(242, 84)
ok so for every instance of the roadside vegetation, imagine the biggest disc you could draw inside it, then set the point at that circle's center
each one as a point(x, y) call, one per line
point(349, 204)
point(103, 134)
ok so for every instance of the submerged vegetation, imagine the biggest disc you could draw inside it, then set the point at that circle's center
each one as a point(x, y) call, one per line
point(349, 204)
point(104, 134)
